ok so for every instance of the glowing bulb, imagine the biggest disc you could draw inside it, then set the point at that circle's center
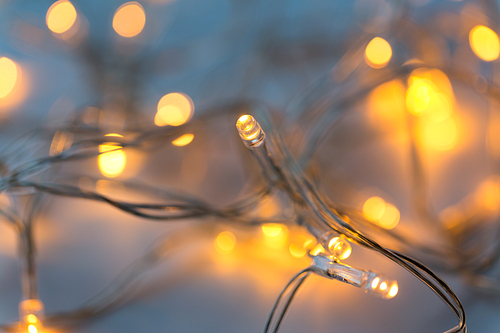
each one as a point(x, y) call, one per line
point(378, 52)
point(297, 251)
point(30, 312)
point(379, 285)
point(174, 109)
point(112, 159)
point(250, 130)
point(129, 19)
point(183, 140)
point(340, 248)
point(8, 76)
point(374, 208)
point(31, 318)
point(484, 42)
point(439, 135)
point(390, 218)
point(272, 229)
point(225, 242)
point(418, 96)
point(61, 16)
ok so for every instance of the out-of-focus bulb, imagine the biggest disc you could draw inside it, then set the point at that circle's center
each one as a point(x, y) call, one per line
point(112, 159)
point(339, 248)
point(484, 42)
point(61, 16)
point(378, 52)
point(31, 314)
point(250, 130)
point(129, 19)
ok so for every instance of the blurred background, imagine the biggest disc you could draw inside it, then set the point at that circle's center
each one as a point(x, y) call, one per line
point(123, 69)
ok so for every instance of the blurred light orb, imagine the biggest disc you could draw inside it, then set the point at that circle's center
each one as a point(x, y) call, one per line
point(390, 218)
point(174, 109)
point(297, 251)
point(272, 229)
point(225, 242)
point(378, 52)
point(8, 76)
point(183, 140)
point(61, 16)
point(112, 160)
point(129, 19)
point(374, 208)
point(484, 42)
point(439, 135)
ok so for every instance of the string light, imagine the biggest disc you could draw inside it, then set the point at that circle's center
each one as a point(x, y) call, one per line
point(112, 159)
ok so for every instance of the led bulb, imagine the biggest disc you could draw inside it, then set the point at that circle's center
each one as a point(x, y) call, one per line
point(250, 131)
point(379, 285)
point(31, 314)
point(339, 248)
point(371, 282)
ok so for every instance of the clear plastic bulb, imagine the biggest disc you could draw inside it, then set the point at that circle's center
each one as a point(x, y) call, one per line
point(339, 248)
point(250, 130)
point(31, 312)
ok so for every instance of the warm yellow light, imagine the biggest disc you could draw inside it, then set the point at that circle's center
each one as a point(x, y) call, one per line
point(484, 42)
point(378, 52)
point(488, 195)
point(61, 16)
point(393, 291)
point(225, 242)
point(390, 217)
point(248, 128)
point(297, 251)
point(272, 229)
point(439, 135)
point(8, 76)
point(32, 329)
point(317, 249)
point(339, 248)
point(374, 208)
point(375, 282)
point(383, 286)
point(418, 96)
point(129, 19)
point(112, 159)
point(386, 103)
point(174, 109)
point(183, 140)
point(32, 319)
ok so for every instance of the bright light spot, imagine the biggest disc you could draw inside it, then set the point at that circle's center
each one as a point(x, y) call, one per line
point(183, 140)
point(484, 42)
point(174, 109)
point(8, 76)
point(374, 208)
point(61, 16)
point(129, 19)
point(393, 291)
point(390, 218)
point(383, 286)
point(272, 229)
point(297, 251)
point(32, 329)
point(418, 96)
point(225, 242)
point(386, 103)
point(340, 248)
point(378, 52)
point(488, 195)
point(31, 318)
point(112, 160)
point(317, 249)
point(375, 282)
point(439, 135)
